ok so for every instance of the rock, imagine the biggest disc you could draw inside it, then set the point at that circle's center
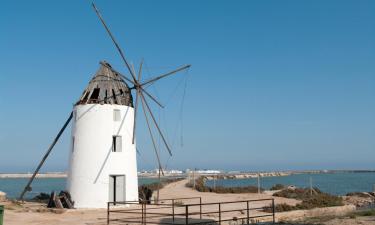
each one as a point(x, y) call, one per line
point(3, 196)
point(291, 187)
point(359, 201)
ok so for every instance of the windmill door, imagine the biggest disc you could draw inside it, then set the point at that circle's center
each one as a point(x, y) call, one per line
point(116, 188)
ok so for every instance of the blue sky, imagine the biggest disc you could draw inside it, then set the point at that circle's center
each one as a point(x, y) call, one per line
point(274, 85)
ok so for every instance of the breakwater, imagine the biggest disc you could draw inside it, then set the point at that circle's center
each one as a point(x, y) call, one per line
point(247, 175)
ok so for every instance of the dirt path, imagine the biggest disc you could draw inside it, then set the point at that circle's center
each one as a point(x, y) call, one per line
point(179, 190)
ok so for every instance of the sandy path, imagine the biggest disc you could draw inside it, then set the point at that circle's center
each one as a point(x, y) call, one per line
point(179, 190)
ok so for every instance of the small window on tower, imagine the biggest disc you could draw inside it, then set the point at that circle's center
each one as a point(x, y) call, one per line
point(116, 144)
point(116, 115)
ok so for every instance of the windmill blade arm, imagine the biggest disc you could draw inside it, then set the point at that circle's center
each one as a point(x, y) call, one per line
point(152, 97)
point(27, 187)
point(114, 41)
point(152, 137)
point(165, 75)
point(156, 124)
point(140, 70)
point(135, 115)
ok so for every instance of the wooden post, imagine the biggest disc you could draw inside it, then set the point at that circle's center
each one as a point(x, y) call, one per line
point(142, 212)
point(173, 210)
point(145, 219)
point(311, 187)
point(247, 212)
point(200, 207)
point(219, 213)
point(159, 183)
point(194, 179)
point(28, 187)
point(186, 215)
point(258, 183)
point(215, 182)
point(108, 213)
point(273, 210)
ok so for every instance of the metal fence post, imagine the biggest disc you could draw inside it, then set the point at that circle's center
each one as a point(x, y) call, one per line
point(142, 213)
point(219, 214)
point(186, 214)
point(200, 207)
point(107, 213)
point(173, 210)
point(273, 210)
point(145, 219)
point(247, 212)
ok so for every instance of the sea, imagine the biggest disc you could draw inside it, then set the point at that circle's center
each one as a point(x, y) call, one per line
point(338, 183)
point(14, 186)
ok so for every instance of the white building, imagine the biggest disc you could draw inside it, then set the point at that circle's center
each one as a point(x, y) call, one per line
point(103, 163)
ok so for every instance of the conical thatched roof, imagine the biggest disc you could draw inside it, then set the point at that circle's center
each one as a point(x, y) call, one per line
point(106, 87)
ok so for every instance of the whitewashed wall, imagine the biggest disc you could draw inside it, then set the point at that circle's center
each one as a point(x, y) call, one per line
point(92, 160)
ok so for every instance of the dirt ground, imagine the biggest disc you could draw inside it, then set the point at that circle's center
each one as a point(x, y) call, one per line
point(37, 213)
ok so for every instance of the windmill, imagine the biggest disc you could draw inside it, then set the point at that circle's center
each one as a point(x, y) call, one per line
point(103, 152)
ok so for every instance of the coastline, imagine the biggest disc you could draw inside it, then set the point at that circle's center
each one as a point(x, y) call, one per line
point(28, 175)
point(223, 175)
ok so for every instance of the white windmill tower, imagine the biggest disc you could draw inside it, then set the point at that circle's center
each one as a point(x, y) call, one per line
point(102, 166)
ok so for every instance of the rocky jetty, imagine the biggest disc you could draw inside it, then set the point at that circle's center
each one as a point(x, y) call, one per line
point(247, 175)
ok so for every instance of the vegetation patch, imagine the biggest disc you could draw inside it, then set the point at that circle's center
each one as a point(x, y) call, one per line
point(145, 191)
point(310, 199)
point(277, 187)
point(359, 194)
point(369, 212)
point(201, 187)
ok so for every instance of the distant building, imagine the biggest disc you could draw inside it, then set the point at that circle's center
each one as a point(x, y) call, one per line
point(204, 171)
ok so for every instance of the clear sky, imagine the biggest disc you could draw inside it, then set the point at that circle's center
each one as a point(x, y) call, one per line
point(274, 85)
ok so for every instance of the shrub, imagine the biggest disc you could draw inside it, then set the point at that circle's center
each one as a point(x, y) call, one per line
point(277, 187)
point(370, 212)
point(41, 197)
point(201, 187)
point(317, 200)
point(320, 201)
point(358, 194)
point(298, 193)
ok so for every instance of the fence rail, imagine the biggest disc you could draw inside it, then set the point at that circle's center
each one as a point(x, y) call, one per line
point(190, 211)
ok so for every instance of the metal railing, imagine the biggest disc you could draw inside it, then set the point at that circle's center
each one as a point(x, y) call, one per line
point(175, 211)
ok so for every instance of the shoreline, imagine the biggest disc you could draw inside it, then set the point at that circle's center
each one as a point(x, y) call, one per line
point(28, 175)
point(224, 175)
